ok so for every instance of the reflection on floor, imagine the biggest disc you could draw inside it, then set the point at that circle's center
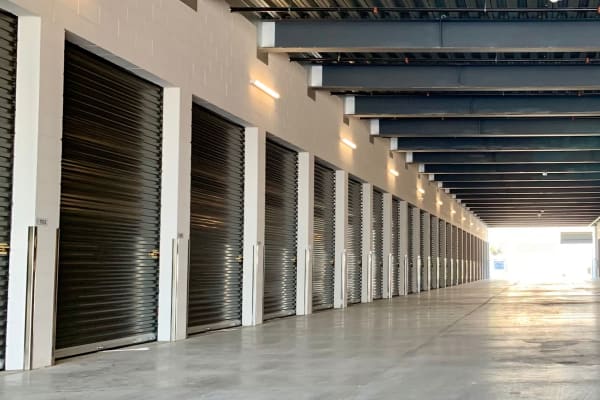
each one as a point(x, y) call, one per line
point(485, 340)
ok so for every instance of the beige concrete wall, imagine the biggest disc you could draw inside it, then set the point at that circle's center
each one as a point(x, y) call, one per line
point(212, 54)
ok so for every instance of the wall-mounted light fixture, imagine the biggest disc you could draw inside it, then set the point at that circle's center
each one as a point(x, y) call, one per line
point(394, 172)
point(258, 84)
point(453, 212)
point(440, 203)
point(463, 218)
point(421, 190)
point(349, 143)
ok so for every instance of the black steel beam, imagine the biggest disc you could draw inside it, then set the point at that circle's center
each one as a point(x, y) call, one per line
point(523, 191)
point(439, 169)
point(521, 185)
point(475, 127)
point(517, 197)
point(496, 144)
point(339, 36)
point(537, 208)
point(519, 177)
point(526, 157)
point(472, 106)
point(492, 78)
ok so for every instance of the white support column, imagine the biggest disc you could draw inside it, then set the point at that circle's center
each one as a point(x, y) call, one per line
point(175, 214)
point(367, 232)
point(403, 278)
point(306, 176)
point(36, 190)
point(254, 226)
point(340, 298)
point(27, 129)
point(387, 246)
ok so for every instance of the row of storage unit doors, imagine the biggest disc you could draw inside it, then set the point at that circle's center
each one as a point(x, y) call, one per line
point(107, 283)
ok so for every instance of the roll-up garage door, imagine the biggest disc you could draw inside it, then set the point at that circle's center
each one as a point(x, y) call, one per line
point(216, 222)
point(8, 58)
point(461, 255)
point(109, 208)
point(443, 242)
point(323, 238)
point(281, 216)
point(377, 244)
point(449, 255)
point(414, 249)
point(396, 256)
point(354, 240)
point(455, 255)
point(435, 255)
point(425, 251)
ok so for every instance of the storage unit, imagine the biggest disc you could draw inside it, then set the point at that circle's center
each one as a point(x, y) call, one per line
point(396, 258)
point(323, 259)
point(109, 207)
point(281, 231)
point(8, 58)
point(377, 244)
point(216, 222)
point(425, 251)
point(455, 255)
point(435, 252)
point(414, 249)
point(443, 254)
point(461, 256)
point(354, 242)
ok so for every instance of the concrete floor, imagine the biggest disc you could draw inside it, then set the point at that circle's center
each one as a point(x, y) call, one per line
point(485, 340)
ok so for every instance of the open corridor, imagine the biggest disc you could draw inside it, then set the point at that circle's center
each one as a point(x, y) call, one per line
point(484, 340)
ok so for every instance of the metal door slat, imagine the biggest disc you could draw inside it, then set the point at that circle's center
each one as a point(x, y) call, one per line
point(377, 244)
point(281, 214)
point(110, 208)
point(216, 222)
point(8, 61)
point(323, 258)
point(354, 241)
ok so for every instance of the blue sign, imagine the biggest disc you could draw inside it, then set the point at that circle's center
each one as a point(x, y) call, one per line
point(499, 265)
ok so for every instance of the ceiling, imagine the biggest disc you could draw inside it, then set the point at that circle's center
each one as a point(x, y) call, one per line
point(498, 101)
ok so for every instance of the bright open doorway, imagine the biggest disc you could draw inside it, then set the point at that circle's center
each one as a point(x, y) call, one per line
point(541, 254)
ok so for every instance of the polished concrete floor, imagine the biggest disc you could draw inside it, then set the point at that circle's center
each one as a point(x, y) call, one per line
point(484, 340)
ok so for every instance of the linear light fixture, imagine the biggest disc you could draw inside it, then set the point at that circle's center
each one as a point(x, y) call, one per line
point(258, 84)
point(349, 143)
point(394, 172)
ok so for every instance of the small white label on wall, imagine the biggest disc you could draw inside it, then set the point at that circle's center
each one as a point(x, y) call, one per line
point(41, 221)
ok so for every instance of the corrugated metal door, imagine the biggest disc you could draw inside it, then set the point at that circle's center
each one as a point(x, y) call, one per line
point(442, 230)
point(323, 238)
point(281, 220)
point(377, 244)
point(414, 249)
point(8, 58)
point(396, 256)
point(461, 255)
point(455, 255)
point(354, 240)
point(435, 252)
point(109, 208)
point(425, 251)
point(216, 222)
point(449, 255)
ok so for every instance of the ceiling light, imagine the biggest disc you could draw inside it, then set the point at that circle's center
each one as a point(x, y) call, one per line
point(421, 190)
point(349, 143)
point(544, 173)
point(258, 84)
point(554, 1)
point(394, 172)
